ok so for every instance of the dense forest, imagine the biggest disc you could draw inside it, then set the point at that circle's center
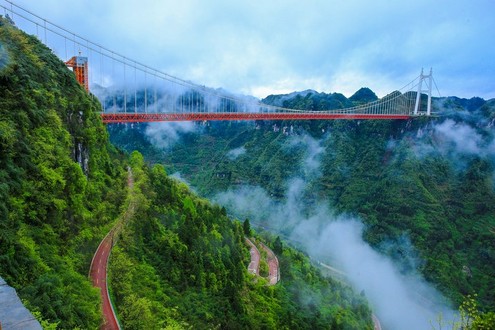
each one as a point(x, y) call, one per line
point(61, 182)
point(428, 179)
point(180, 262)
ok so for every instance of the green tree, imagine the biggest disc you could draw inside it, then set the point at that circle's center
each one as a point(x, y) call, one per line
point(246, 226)
point(278, 247)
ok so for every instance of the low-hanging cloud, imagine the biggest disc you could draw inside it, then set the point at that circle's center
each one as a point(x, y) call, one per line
point(178, 176)
point(458, 141)
point(165, 134)
point(401, 301)
point(4, 57)
point(235, 153)
point(459, 137)
point(313, 151)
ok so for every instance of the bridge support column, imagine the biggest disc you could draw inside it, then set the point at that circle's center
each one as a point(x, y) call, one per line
point(418, 95)
point(430, 78)
point(423, 77)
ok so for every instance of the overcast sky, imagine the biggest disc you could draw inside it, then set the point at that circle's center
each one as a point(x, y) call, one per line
point(267, 47)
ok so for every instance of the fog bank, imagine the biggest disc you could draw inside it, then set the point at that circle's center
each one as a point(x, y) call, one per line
point(401, 301)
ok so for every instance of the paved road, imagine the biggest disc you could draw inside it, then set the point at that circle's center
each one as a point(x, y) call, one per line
point(254, 265)
point(273, 267)
point(98, 274)
point(99, 264)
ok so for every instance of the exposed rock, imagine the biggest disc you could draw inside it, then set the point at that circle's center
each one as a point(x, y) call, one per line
point(13, 314)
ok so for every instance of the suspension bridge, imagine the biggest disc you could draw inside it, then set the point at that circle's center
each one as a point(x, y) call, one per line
point(130, 91)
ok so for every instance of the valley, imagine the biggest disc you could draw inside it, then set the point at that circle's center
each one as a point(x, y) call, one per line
point(349, 220)
point(402, 180)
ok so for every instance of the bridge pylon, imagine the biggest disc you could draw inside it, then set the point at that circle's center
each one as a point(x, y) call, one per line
point(79, 65)
point(428, 80)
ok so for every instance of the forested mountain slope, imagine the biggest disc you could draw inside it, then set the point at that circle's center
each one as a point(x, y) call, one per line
point(427, 180)
point(180, 263)
point(61, 182)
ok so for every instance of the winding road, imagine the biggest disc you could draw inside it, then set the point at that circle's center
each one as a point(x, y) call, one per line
point(98, 274)
point(99, 265)
point(273, 267)
point(254, 265)
point(272, 261)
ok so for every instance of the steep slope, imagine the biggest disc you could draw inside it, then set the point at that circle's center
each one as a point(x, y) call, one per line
point(181, 263)
point(61, 182)
point(430, 181)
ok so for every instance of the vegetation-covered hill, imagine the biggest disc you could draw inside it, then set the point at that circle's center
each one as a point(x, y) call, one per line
point(180, 262)
point(428, 179)
point(61, 183)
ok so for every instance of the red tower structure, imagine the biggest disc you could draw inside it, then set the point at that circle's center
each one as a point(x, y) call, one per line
point(79, 65)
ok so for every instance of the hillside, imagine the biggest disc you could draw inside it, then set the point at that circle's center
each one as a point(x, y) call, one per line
point(180, 262)
point(61, 182)
point(427, 181)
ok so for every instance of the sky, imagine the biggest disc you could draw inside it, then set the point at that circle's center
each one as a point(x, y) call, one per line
point(271, 47)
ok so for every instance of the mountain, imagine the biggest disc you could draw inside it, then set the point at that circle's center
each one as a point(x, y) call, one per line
point(428, 181)
point(309, 100)
point(179, 261)
point(61, 185)
point(182, 263)
point(364, 95)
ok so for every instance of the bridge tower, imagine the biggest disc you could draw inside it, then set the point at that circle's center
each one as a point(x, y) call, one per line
point(79, 65)
point(427, 78)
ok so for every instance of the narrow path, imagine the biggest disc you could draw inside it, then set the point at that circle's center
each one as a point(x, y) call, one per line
point(99, 265)
point(273, 266)
point(254, 265)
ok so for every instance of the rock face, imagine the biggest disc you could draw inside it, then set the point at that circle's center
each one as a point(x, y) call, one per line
point(13, 314)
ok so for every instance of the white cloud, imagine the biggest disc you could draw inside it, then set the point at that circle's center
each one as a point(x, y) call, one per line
point(235, 153)
point(463, 138)
point(164, 135)
point(401, 301)
point(268, 47)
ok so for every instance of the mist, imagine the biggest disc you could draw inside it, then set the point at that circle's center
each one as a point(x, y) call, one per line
point(401, 301)
point(459, 139)
point(235, 153)
point(165, 134)
point(178, 176)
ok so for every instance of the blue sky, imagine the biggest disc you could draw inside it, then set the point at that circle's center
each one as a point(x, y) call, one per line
point(268, 47)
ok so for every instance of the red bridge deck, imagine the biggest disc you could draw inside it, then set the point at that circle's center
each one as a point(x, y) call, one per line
point(154, 117)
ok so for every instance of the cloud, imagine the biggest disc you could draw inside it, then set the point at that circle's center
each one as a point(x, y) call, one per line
point(400, 298)
point(179, 177)
point(4, 57)
point(234, 153)
point(314, 150)
point(165, 134)
point(400, 301)
point(266, 47)
point(459, 137)
point(458, 141)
